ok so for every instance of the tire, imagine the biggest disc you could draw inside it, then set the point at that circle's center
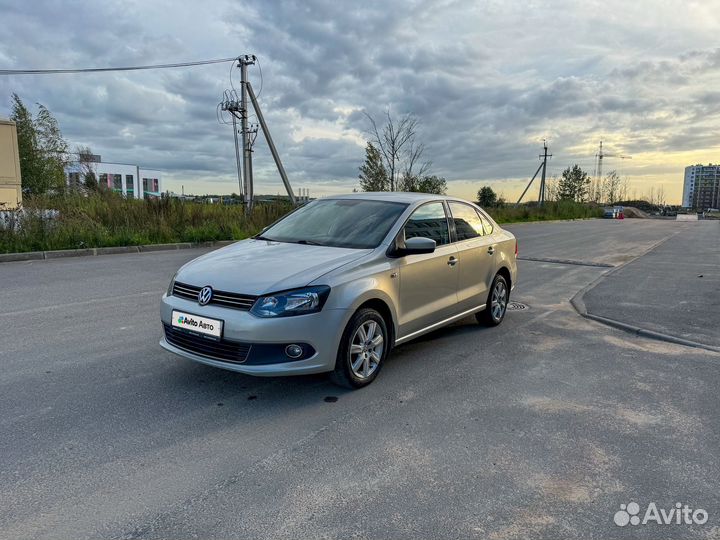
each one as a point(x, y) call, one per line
point(496, 304)
point(358, 361)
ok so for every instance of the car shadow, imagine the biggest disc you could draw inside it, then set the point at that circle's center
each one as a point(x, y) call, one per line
point(189, 384)
point(190, 375)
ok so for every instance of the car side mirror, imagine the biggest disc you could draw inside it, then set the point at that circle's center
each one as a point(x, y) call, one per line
point(415, 246)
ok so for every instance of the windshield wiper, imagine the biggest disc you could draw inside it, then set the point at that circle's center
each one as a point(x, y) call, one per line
point(309, 242)
point(306, 242)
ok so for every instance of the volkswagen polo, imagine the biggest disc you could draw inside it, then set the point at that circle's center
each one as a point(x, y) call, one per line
point(335, 284)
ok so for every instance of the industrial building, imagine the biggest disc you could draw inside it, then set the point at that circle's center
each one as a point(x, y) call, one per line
point(701, 188)
point(130, 180)
point(10, 187)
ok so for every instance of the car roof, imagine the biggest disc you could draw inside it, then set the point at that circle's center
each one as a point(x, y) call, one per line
point(395, 196)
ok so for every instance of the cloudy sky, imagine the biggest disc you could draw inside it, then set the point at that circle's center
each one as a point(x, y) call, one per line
point(488, 81)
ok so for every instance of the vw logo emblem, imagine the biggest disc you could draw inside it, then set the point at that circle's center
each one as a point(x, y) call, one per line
point(205, 295)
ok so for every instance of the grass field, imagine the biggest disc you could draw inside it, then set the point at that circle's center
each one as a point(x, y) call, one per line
point(551, 210)
point(108, 219)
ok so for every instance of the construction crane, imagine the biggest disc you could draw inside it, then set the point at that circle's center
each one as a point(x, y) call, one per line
point(600, 155)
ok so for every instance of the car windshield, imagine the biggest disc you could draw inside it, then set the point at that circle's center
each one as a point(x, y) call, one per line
point(347, 223)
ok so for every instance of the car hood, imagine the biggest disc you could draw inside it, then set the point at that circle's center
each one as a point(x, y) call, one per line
point(258, 266)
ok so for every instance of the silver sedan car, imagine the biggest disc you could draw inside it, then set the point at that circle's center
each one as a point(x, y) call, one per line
point(334, 285)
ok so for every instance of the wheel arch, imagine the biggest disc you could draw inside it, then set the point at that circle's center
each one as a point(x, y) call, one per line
point(504, 271)
point(382, 307)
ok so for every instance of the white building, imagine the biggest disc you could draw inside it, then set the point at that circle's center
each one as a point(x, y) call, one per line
point(119, 177)
point(701, 187)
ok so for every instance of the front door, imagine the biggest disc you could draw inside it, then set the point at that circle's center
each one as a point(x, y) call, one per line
point(428, 282)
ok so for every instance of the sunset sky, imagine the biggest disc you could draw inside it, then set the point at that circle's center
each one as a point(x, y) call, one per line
point(487, 80)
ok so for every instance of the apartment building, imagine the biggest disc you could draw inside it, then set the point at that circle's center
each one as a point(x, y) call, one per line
point(701, 187)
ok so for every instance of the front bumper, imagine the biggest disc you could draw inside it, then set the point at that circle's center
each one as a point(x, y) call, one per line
point(322, 331)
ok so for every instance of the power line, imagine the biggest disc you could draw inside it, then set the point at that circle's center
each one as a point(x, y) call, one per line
point(106, 69)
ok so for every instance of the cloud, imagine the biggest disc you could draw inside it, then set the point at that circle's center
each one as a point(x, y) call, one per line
point(487, 80)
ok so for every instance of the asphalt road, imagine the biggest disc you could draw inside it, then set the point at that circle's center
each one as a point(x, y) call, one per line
point(539, 428)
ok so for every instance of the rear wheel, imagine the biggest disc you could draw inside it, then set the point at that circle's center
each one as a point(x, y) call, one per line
point(496, 304)
point(363, 347)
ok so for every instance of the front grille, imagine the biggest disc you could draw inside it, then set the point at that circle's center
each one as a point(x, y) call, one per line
point(242, 302)
point(228, 351)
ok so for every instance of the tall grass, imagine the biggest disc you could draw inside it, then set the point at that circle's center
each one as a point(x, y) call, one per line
point(108, 219)
point(549, 211)
point(103, 219)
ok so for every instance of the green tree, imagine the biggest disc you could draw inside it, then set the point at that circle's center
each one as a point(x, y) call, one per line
point(611, 187)
point(86, 164)
point(43, 151)
point(53, 148)
point(396, 143)
point(433, 184)
point(574, 184)
point(486, 197)
point(30, 165)
point(373, 175)
point(436, 185)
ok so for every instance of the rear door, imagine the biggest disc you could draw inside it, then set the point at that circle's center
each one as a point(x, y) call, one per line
point(428, 282)
point(476, 261)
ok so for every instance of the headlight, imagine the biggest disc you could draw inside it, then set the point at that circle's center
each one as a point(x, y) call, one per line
point(296, 302)
point(172, 285)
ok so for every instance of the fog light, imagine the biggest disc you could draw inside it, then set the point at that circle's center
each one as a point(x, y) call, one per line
point(294, 351)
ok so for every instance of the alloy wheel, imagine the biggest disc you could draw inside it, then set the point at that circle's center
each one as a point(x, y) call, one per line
point(498, 301)
point(366, 349)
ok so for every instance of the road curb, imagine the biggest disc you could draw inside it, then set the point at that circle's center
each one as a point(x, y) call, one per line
point(567, 261)
point(165, 247)
point(545, 220)
point(637, 330)
point(62, 253)
point(116, 250)
point(112, 250)
point(26, 256)
point(578, 303)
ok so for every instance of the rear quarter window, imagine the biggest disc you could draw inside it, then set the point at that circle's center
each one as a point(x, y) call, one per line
point(486, 223)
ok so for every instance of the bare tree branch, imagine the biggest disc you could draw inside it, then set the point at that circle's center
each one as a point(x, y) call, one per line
point(396, 143)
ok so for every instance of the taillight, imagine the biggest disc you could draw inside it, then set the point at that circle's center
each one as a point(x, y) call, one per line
point(516, 248)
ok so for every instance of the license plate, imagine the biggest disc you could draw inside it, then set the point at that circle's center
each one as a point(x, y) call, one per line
point(197, 324)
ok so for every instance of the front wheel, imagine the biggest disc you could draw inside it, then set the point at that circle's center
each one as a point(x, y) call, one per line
point(496, 305)
point(363, 347)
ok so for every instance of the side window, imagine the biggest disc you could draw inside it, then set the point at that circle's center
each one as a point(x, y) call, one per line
point(467, 221)
point(429, 221)
point(487, 224)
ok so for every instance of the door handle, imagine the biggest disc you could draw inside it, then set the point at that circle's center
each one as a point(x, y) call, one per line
point(452, 261)
point(491, 250)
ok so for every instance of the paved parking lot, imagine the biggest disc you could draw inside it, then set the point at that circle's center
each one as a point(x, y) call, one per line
point(539, 428)
point(674, 290)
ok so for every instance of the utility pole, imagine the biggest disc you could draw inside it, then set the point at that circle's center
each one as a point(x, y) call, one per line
point(238, 108)
point(544, 157)
point(271, 144)
point(543, 167)
point(237, 159)
point(243, 63)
